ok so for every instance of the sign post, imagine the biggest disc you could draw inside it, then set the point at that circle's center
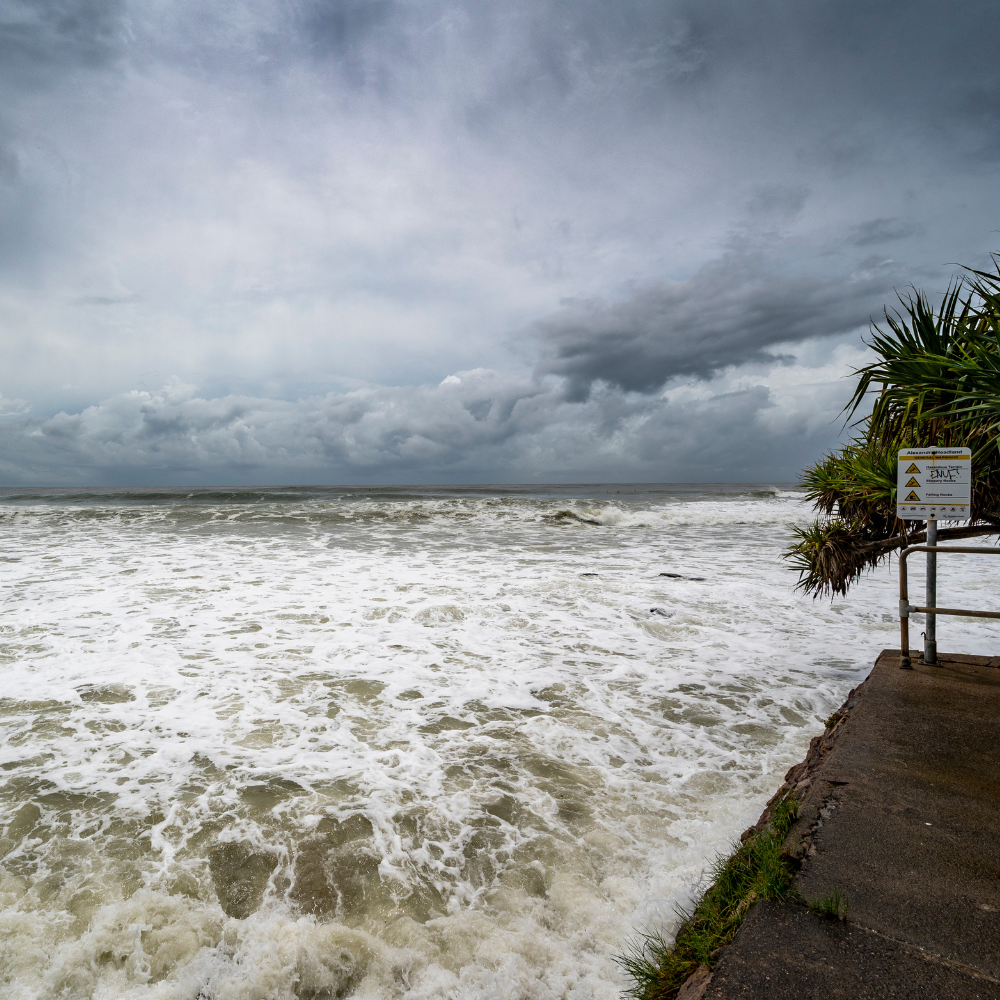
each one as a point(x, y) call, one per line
point(933, 483)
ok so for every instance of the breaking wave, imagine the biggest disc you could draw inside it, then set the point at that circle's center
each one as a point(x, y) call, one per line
point(318, 743)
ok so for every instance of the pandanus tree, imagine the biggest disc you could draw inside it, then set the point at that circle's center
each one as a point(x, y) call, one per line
point(935, 382)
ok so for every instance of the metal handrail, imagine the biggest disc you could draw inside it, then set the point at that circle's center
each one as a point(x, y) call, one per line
point(906, 609)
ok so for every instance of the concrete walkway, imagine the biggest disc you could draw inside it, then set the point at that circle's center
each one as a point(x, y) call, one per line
point(903, 817)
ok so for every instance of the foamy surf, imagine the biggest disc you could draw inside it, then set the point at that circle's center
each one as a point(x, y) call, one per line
point(434, 743)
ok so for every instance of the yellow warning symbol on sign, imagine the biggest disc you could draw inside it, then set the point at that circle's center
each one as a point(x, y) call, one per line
point(912, 468)
point(913, 496)
point(912, 482)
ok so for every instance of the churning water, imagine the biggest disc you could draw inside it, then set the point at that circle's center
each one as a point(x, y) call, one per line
point(437, 742)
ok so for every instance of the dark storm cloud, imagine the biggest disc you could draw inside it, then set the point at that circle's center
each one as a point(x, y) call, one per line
point(475, 425)
point(51, 37)
point(729, 313)
point(283, 200)
point(921, 56)
point(817, 63)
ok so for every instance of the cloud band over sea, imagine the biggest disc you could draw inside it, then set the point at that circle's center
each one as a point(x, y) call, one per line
point(253, 241)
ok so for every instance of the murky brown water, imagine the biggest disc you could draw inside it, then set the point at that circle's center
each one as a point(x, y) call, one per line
point(316, 744)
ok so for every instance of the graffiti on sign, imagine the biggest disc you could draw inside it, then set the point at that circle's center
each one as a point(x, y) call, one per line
point(934, 482)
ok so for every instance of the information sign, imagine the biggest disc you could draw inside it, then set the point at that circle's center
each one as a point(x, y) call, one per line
point(934, 482)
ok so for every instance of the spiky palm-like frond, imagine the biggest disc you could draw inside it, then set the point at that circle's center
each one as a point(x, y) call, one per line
point(935, 382)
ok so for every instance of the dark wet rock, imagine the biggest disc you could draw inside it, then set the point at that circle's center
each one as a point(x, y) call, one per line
point(590, 574)
point(696, 985)
point(240, 873)
point(660, 611)
point(678, 576)
point(673, 576)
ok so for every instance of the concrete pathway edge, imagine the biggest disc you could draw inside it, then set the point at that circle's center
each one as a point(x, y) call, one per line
point(900, 808)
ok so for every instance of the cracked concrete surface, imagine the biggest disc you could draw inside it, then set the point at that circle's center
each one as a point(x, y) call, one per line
point(901, 813)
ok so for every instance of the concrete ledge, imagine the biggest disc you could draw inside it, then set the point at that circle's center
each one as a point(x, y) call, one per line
point(787, 952)
point(901, 813)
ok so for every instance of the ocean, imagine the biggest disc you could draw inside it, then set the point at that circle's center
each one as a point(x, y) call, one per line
point(460, 742)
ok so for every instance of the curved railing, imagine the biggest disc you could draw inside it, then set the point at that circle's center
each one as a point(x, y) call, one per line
point(906, 609)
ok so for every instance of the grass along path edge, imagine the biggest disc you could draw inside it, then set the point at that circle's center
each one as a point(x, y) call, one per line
point(761, 866)
point(757, 869)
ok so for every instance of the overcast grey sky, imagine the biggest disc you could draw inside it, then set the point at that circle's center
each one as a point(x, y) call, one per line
point(383, 241)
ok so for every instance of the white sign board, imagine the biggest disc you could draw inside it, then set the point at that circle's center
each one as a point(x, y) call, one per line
point(934, 482)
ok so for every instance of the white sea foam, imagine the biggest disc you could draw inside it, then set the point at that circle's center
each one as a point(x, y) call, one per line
point(314, 745)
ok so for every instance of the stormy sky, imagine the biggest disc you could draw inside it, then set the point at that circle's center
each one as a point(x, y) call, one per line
point(350, 241)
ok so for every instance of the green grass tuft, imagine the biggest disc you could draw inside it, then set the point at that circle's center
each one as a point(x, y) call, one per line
point(834, 719)
point(832, 907)
point(755, 870)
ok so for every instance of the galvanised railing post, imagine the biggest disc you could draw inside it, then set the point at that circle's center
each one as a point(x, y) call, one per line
point(906, 609)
